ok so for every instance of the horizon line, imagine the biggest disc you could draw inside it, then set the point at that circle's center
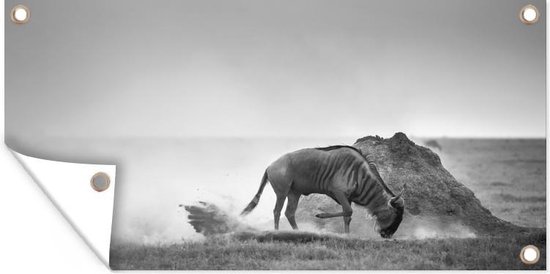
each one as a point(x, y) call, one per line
point(410, 136)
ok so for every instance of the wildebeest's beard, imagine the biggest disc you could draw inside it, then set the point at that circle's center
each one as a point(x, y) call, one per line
point(388, 223)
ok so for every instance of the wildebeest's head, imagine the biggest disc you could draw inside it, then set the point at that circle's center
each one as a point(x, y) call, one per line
point(388, 227)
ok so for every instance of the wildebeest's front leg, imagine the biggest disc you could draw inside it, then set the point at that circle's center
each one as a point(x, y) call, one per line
point(347, 211)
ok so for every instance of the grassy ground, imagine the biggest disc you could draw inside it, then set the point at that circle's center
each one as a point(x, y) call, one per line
point(507, 175)
point(249, 252)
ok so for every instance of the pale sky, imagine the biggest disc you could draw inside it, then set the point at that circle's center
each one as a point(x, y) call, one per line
point(277, 68)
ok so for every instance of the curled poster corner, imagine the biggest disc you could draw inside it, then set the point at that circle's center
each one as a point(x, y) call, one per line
point(68, 186)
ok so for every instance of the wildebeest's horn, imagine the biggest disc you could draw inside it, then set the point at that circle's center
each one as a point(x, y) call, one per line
point(400, 193)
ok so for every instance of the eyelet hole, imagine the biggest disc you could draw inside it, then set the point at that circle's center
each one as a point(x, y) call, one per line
point(20, 14)
point(529, 254)
point(529, 14)
point(100, 181)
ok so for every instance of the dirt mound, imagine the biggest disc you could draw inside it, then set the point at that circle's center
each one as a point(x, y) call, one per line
point(435, 201)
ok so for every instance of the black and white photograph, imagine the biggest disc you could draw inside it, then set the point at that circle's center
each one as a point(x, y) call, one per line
point(295, 135)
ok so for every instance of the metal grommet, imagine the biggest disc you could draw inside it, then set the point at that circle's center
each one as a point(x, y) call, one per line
point(100, 181)
point(529, 254)
point(20, 14)
point(529, 14)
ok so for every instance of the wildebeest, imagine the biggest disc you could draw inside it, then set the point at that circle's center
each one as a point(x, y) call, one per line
point(342, 173)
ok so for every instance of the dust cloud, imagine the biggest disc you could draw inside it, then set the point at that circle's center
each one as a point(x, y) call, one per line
point(421, 229)
point(210, 219)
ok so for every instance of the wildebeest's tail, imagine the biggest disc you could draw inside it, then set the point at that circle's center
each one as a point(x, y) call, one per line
point(256, 199)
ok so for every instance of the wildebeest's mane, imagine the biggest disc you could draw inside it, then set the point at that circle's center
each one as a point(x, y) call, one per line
point(367, 158)
point(329, 148)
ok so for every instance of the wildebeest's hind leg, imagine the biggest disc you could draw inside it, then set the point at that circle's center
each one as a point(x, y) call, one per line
point(277, 210)
point(281, 182)
point(292, 204)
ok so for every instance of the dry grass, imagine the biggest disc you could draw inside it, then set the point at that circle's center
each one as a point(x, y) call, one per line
point(521, 199)
point(285, 251)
